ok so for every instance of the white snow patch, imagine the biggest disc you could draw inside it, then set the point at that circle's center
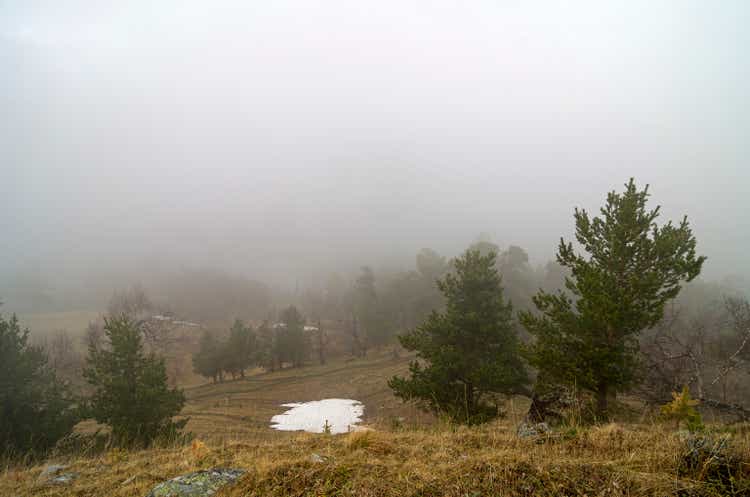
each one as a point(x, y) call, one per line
point(342, 416)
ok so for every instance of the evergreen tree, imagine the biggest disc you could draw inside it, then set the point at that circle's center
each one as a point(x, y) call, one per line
point(239, 349)
point(519, 279)
point(631, 268)
point(267, 350)
point(469, 352)
point(131, 394)
point(36, 408)
point(208, 361)
point(293, 344)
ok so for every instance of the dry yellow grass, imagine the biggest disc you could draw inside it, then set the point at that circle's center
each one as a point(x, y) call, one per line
point(236, 410)
point(419, 459)
point(612, 460)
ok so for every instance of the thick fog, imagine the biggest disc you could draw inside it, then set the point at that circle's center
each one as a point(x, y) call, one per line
point(282, 140)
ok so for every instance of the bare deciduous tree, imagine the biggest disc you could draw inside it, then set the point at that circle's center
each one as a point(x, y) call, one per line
point(708, 354)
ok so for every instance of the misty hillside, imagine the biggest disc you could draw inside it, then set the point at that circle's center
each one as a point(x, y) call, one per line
point(396, 248)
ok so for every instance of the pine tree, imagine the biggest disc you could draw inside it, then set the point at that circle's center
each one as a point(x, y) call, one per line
point(266, 354)
point(469, 353)
point(293, 345)
point(239, 349)
point(131, 394)
point(631, 268)
point(36, 408)
point(207, 362)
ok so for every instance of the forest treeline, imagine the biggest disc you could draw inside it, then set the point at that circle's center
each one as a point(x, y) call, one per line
point(615, 313)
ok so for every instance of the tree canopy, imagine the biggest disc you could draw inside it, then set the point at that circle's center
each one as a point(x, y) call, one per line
point(630, 267)
point(468, 353)
point(36, 408)
point(131, 394)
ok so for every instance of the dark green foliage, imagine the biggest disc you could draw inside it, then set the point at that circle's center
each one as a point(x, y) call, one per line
point(233, 355)
point(239, 351)
point(131, 394)
point(36, 408)
point(208, 361)
point(291, 342)
point(266, 354)
point(630, 269)
point(467, 353)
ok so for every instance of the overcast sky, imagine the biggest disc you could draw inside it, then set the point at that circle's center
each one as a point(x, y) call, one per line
point(280, 138)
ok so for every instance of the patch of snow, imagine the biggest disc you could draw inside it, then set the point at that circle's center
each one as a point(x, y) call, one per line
point(187, 323)
point(342, 416)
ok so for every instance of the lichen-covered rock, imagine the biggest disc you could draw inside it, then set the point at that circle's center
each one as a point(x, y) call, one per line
point(317, 458)
point(530, 430)
point(53, 475)
point(198, 484)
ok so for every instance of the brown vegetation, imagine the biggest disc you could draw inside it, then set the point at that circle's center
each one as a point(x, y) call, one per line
point(407, 454)
point(609, 460)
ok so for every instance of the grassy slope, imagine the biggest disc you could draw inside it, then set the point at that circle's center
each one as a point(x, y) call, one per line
point(423, 459)
point(242, 408)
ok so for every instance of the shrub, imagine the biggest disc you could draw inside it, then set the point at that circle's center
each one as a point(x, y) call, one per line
point(130, 388)
point(682, 410)
point(36, 408)
point(468, 355)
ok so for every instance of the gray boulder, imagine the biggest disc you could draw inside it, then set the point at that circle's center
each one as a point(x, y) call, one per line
point(54, 474)
point(317, 458)
point(198, 484)
point(532, 430)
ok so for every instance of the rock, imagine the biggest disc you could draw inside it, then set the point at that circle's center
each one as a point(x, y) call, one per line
point(53, 475)
point(63, 478)
point(198, 484)
point(317, 458)
point(530, 430)
point(549, 401)
point(51, 469)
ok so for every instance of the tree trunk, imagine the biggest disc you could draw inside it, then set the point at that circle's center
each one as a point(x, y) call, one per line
point(602, 400)
point(469, 401)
